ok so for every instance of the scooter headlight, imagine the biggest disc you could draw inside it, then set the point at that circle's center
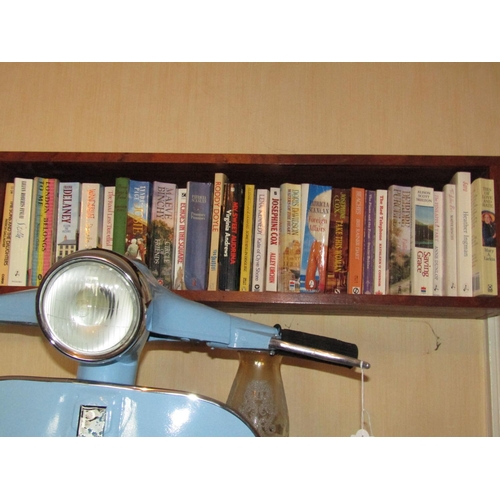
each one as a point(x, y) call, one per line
point(90, 306)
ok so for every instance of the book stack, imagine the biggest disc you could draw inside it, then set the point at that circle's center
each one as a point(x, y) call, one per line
point(290, 238)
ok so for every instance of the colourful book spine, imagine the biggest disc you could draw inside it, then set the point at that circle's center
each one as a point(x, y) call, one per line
point(21, 229)
point(68, 218)
point(369, 242)
point(138, 220)
point(108, 217)
point(231, 229)
point(91, 216)
point(120, 218)
point(462, 181)
point(290, 243)
point(220, 181)
point(37, 207)
point(450, 240)
point(273, 240)
point(260, 240)
point(247, 238)
point(198, 231)
point(180, 240)
point(484, 238)
point(422, 240)
point(6, 232)
point(380, 250)
point(338, 242)
point(161, 256)
point(315, 219)
point(398, 240)
point(438, 271)
point(356, 229)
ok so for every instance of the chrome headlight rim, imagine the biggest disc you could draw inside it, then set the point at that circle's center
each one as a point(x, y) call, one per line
point(122, 265)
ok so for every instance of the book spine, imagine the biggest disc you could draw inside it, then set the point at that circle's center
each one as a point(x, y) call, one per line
point(290, 244)
point(398, 240)
point(180, 239)
point(380, 250)
point(34, 256)
point(120, 218)
point(315, 218)
point(438, 271)
point(260, 240)
point(220, 181)
point(139, 202)
point(356, 229)
point(450, 240)
point(198, 231)
point(247, 238)
point(369, 242)
point(484, 238)
point(108, 217)
point(163, 216)
point(68, 218)
point(422, 240)
point(338, 242)
point(49, 228)
point(462, 181)
point(91, 216)
point(21, 225)
point(230, 249)
point(6, 232)
point(273, 240)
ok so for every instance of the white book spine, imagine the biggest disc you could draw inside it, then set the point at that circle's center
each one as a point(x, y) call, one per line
point(108, 217)
point(462, 181)
point(21, 228)
point(380, 260)
point(180, 239)
point(438, 272)
point(91, 216)
point(68, 218)
point(450, 240)
point(260, 240)
point(422, 241)
point(273, 240)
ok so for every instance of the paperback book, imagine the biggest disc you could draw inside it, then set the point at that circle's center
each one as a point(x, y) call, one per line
point(120, 218)
point(273, 240)
point(6, 232)
point(369, 242)
point(108, 217)
point(380, 250)
point(356, 229)
point(91, 216)
point(247, 238)
point(438, 269)
point(180, 239)
point(68, 218)
point(450, 240)
point(260, 240)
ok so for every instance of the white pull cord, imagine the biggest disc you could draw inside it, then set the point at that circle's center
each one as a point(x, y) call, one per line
point(362, 432)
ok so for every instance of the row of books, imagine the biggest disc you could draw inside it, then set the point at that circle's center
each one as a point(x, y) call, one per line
point(291, 238)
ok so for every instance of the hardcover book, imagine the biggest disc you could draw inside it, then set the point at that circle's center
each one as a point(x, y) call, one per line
point(91, 216)
point(260, 240)
point(398, 239)
point(21, 229)
point(247, 238)
point(484, 238)
point(315, 219)
point(230, 244)
point(356, 230)
point(138, 220)
point(273, 240)
point(422, 240)
point(338, 242)
point(369, 242)
point(450, 240)
point(162, 246)
point(120, 218)
point(438, 271)
point(6, 232)
point(108, 217)
point(462, 181)
point(380, 250)
point(220, 181)
point(290, 238)
point(180, 240)
point(198, 232)
point(68, 218)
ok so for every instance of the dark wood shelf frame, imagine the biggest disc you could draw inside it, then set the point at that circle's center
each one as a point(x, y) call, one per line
point(368, 171)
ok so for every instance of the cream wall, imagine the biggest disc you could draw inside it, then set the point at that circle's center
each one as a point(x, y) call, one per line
point(428, 377)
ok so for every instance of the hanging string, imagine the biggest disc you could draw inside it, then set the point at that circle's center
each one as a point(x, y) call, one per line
point(363, 410)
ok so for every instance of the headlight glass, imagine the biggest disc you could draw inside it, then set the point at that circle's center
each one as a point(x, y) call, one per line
point(90, 310)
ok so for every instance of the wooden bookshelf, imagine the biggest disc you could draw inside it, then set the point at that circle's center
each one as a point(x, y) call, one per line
point(367, 171)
